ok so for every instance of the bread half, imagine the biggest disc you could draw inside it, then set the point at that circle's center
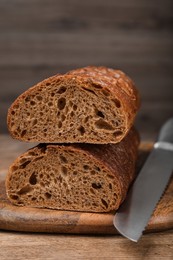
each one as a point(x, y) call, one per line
point(89, 105)
point(80, 177)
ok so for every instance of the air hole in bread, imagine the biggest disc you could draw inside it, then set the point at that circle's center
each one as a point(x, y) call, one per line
point(96, 185)
point(86, 119)
point(110, 186)
point(50, 104)
point(117, 102)
point(38, 158)
point(115, 195)
point(40, 198)
point(14, 168)
point(34, 122)
point(61, 90)
point(72, 114)
point(13, 112)
point(61, 103)
point(64, 184)
point(96, 86)
point(59, 124)
point(31, 153)
point(43, 149)
point(16, 133)
point(89, 90)
point(93, 172)
point(22, 160)
point(106, 92)
point(97, 169)
point(32, 103)
point(14, 197)
point(48, 195)
point(41, 176)
point(70, 103)
point(16, 106)
point(117, 133)
point(23, 165)
point(64, 171)
point(27, 99)
point(75, 107)
point(110, 176)
point(101, 124)
point(25, 190)
point(23, 133)
point(92, 191)
point(86, 167)
point(99, 113)
point(39, 98)
point(12, 125)
point(63, 159)
point(42, 184)
point(63, 117)
point(81, 129)
point(105, 204)
point(48, 84)
point(33, 179)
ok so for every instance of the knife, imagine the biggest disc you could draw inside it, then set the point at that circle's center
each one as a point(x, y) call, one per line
point(134, 213)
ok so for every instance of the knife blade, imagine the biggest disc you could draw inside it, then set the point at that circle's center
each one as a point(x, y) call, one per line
point(134, 213)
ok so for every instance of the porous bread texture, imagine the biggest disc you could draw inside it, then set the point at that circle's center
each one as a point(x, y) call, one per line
point(79, 177)
point(89, 105)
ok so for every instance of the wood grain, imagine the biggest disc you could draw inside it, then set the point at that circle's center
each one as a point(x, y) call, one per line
point(56, 247)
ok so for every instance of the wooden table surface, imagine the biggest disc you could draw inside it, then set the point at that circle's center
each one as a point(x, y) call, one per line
point(16, 245)
point(38, 246)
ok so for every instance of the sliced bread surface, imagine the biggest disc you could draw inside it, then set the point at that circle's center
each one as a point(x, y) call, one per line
point(88, 105)
point(79, 177)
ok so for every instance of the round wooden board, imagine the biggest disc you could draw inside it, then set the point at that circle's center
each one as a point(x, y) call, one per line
point(56, 221)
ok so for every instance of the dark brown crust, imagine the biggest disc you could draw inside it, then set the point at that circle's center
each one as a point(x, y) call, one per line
point(113, 82)
point(118, 159)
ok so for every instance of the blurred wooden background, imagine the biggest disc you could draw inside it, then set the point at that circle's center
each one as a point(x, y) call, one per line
point(39, 38)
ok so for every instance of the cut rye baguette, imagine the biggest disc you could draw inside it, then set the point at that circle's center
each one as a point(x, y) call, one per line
point(79, 177)
point(89, 105)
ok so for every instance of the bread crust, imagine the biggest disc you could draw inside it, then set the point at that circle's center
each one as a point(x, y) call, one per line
point(111, 85)
point(109, 184)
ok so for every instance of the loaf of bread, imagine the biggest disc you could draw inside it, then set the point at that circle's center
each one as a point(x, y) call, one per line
point(89, 105)
point(79, 177)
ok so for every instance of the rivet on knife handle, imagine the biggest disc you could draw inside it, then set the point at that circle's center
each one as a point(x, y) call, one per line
point(133, 215)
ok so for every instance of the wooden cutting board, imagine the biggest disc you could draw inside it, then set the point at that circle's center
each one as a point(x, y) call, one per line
point(55, 221)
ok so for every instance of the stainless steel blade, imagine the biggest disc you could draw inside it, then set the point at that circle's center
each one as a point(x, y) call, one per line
point(134, 214)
